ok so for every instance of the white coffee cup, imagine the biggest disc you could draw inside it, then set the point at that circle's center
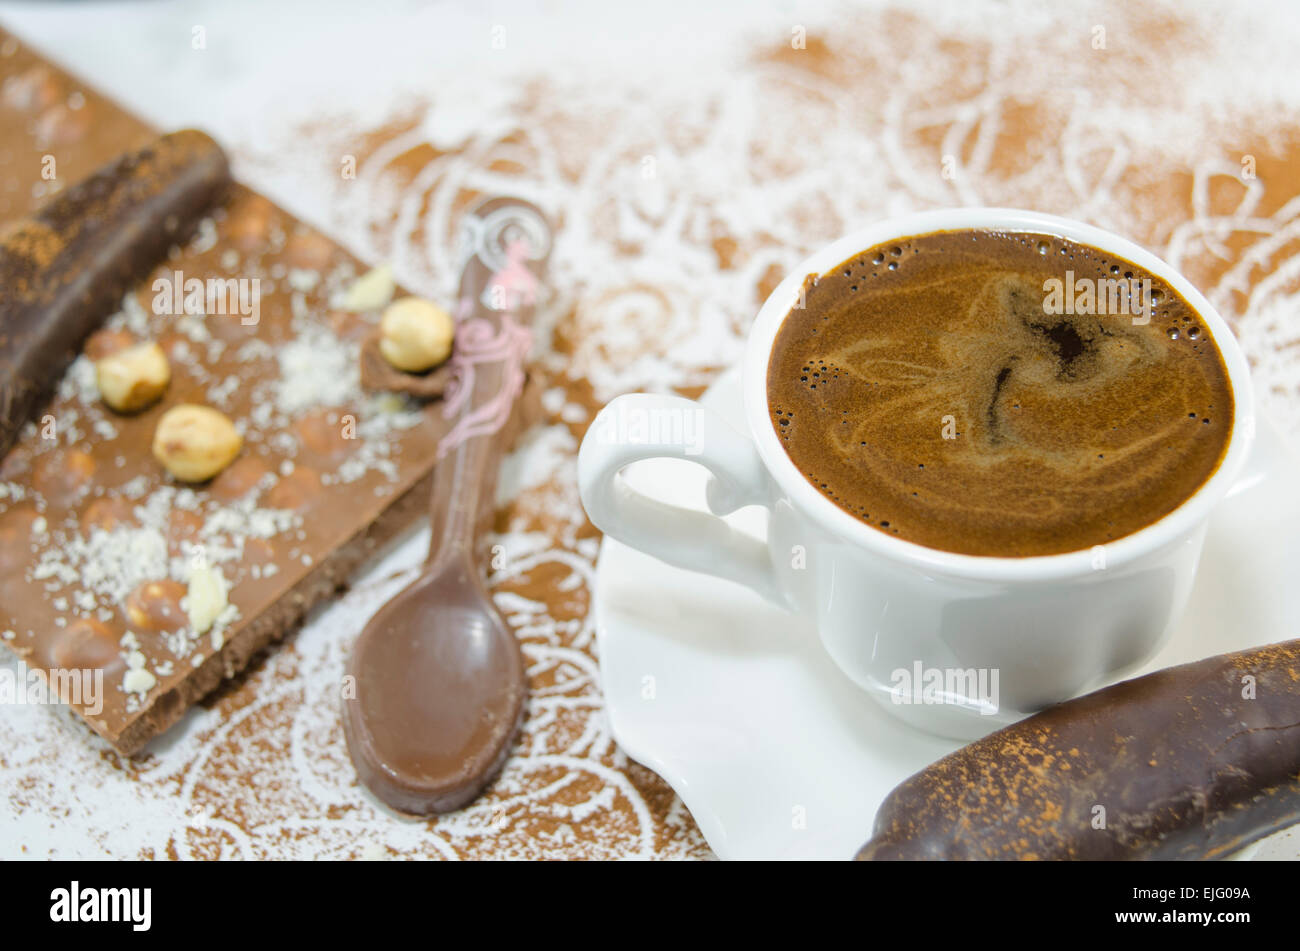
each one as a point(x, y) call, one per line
point(894, 615)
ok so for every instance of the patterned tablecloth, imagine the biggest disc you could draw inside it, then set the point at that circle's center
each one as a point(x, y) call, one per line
point(688, 163)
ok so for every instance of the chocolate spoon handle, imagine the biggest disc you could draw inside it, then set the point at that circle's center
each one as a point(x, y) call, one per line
point(439, 679)
point(464, 481)
point(506, 241)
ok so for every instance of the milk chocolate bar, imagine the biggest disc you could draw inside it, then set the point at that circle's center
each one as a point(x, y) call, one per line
point(65, 268)
point(98, 544)
point(1191, 762)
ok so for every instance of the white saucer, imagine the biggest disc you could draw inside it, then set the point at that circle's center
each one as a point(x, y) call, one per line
point(774, 751)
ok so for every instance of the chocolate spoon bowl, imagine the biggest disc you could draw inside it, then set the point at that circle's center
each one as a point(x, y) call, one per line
point(439, 680)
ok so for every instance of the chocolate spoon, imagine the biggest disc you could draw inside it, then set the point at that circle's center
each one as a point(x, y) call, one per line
point(439, 681)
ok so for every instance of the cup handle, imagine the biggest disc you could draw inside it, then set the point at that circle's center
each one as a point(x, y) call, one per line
point(646, 426)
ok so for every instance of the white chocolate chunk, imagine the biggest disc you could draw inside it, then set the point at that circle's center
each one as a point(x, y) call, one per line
point(371, 290)
point(206, 598)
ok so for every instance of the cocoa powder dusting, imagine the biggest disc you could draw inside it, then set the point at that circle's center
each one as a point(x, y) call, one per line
point(658, 270)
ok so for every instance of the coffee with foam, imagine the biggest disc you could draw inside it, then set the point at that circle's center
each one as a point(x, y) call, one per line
point(999, 393)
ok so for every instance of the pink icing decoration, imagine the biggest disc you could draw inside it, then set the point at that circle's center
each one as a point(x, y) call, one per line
point(515, 279)
point(477, 343)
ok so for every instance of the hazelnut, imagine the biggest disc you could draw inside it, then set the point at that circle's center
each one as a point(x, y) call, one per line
point(63, 476)
point(131, 379)
point(156, 606)
point(106, 514)
point(85, 644)
point(309, 250)
point(194, 443)
point(415, 334)
point(17, 532)
point(249, 222)
point(325, 437)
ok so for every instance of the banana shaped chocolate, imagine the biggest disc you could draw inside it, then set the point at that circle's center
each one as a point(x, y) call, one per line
point(1191, 762)
point(66, 268)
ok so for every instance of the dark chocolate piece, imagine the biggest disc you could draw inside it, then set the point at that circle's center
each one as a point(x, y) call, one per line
point(66, 268)
point(1191, 762)
point(440, 685)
